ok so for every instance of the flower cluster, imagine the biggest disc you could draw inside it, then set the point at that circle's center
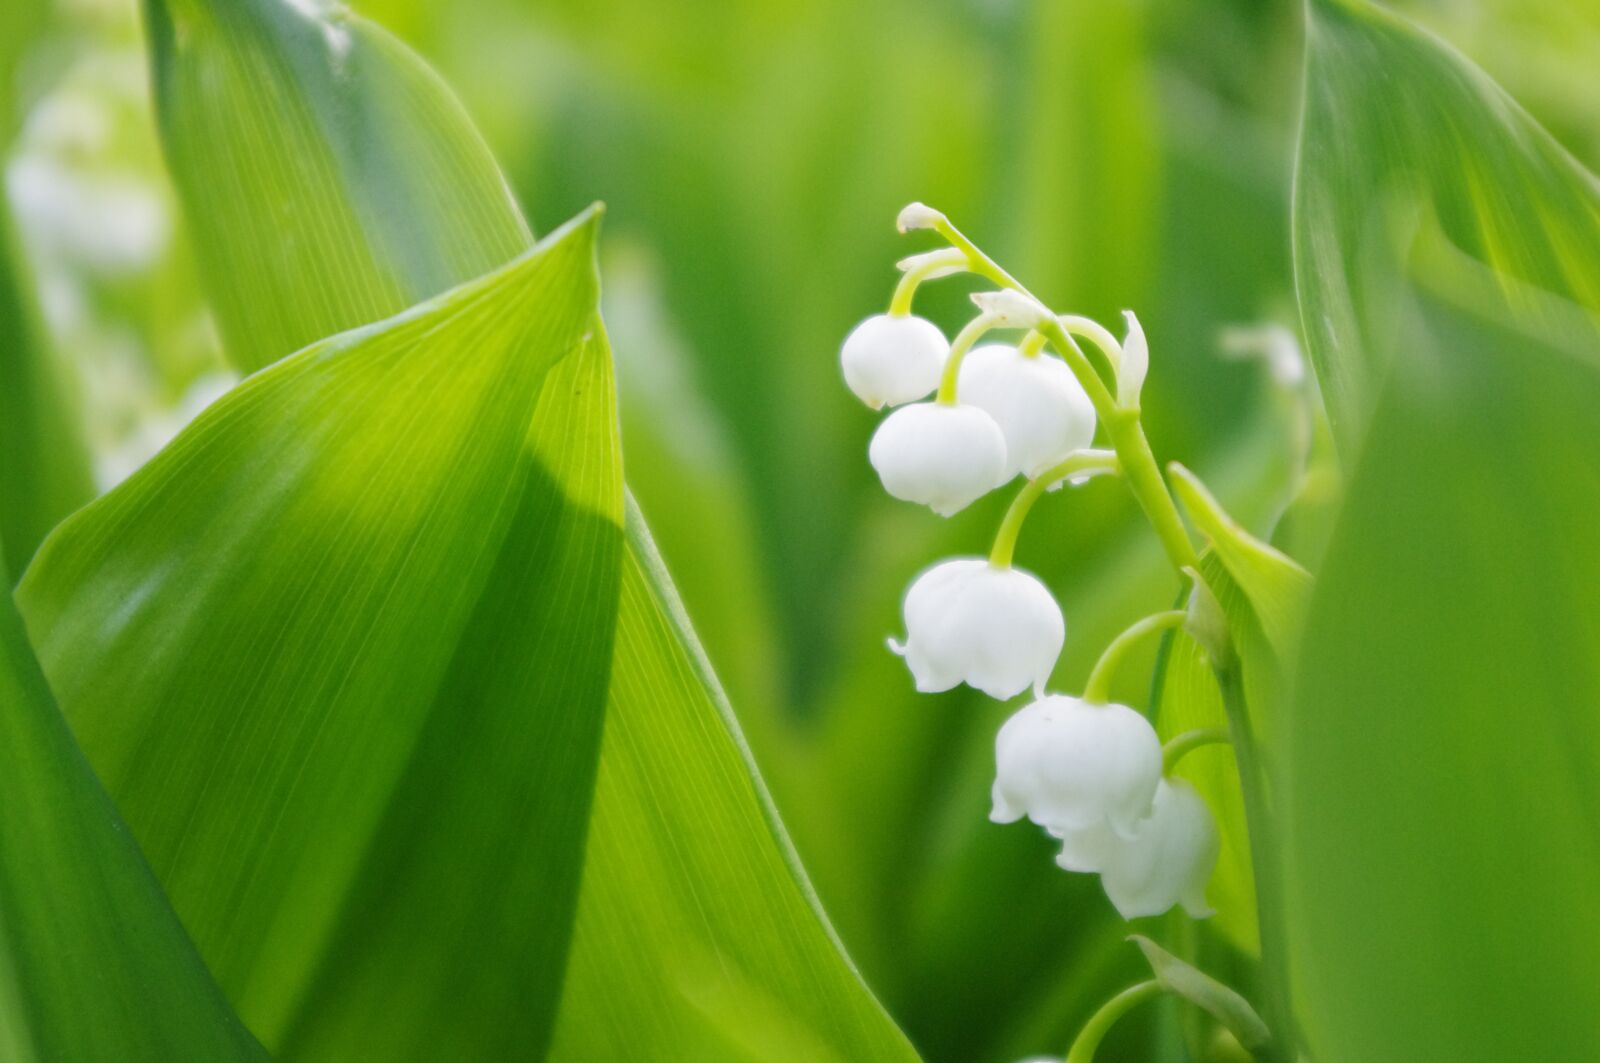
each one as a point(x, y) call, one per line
point(1089, 772)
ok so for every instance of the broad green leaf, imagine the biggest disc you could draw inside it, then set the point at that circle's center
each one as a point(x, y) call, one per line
point(93, 963)
point(1401, 135)
point(1442, 747)
point(340, 655)
point(697, 937)
point(268, 106)
point(727, 900)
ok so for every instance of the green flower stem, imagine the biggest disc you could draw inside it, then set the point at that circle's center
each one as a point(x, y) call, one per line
point(1084, 461)
point(1144, 478)
point(1094, 1031)
point(911, 279)
point(958, 350)
point(1032, 344)
point(1095, 333)
point(1186, 743)
point(1097, 690)
point(1263, 858)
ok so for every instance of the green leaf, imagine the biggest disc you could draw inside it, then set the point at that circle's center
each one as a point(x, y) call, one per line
point(1401, 137)
point(44, 467)
point(1194, 985)
point(340, 655)
point(266, 107)
point(694, 916)
point(1442, 748)
point(93, 963)
point(1275, 587)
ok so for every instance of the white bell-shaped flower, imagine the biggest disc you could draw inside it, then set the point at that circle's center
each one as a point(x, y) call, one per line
point(968, 621)
point(1037, 402)
point(1069, 765)
point(893, 359)
point(1168, 859)
point(942, 456)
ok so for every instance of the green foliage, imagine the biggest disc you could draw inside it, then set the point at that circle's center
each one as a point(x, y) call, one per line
point(1442, 743)
point(672, 947)
point(93, 963)
point(269, 109)
point(384, 760)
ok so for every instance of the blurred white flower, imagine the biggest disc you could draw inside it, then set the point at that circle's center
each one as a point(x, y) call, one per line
point(1135, 363)
point(942, 456)
point(968, 621)
point(1168, 859)
point(1069, 765)
point(890, 360)
point(155, 431)
point(1037, 402)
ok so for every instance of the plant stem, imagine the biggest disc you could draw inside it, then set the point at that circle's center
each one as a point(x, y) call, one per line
point(1083, 462)
point(1186, 743)
point(1097, 689)
point(1031, 344)
point(1263, 842)
point(1095, 333)
point(911, 279)
point(1094, 1031)
point(958, 350)
point(1144, 478)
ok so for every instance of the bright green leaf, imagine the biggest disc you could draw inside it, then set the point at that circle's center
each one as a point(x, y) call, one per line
point(1442, 746)
point(93, 963)
point(340, 655)
point(724, 922)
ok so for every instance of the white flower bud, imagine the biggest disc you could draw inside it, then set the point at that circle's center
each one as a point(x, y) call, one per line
point(1168, 860)
point(996, 629)
point(890, 360)
point(1037, 402)
point(944, 457)
point(1011, 309)
point(1070, 766)
point(1135, 362)
point(918, 216)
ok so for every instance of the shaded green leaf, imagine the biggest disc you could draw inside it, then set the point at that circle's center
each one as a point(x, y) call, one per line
point(93, 963)
point(1442, 748)
point(340, 654)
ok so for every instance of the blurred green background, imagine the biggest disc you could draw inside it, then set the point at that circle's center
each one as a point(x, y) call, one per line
point(753, 156)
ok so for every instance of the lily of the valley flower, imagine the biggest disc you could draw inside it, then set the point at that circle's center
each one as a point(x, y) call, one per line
point(1037, 402)
point(1167, 860)
point(943, 456)
point(993, 628)
point(890, 359)
point(1069, 765)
